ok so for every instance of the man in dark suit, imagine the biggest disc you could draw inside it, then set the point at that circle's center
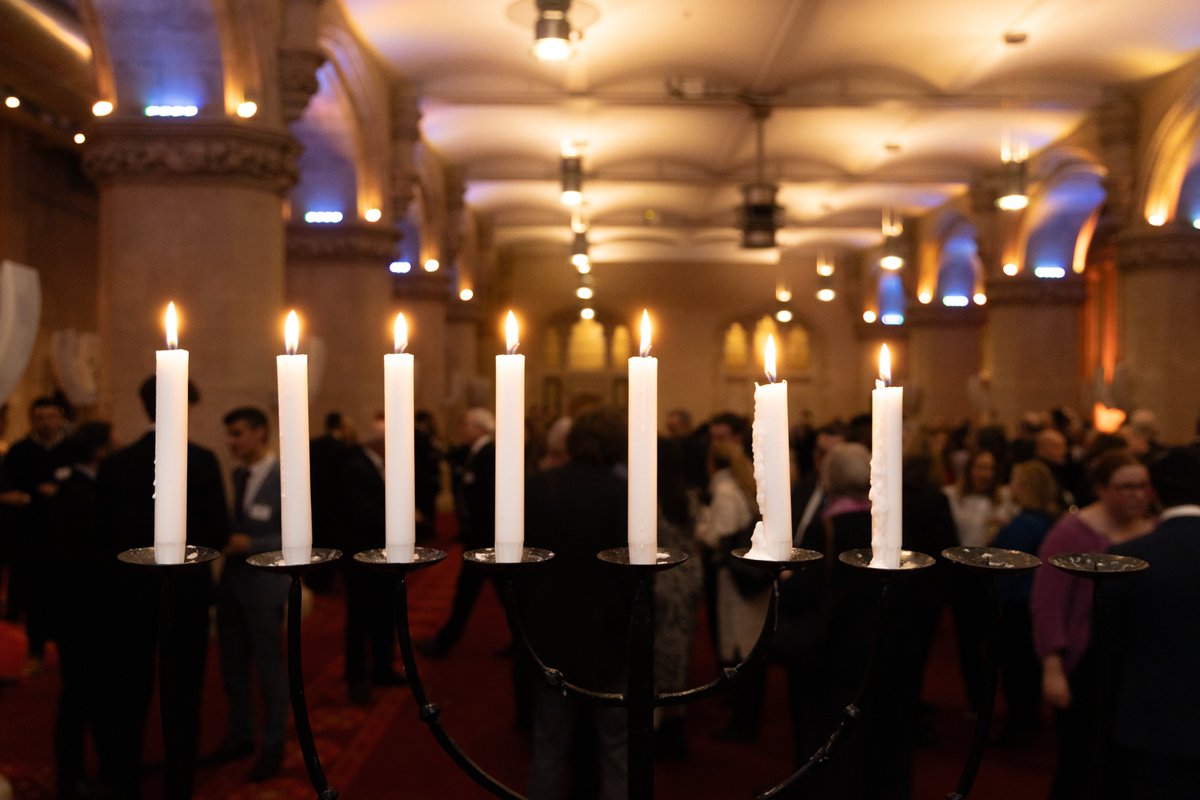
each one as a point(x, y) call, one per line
point(30, 468)
point(1156, 617)
point(250, 604)
point(327, 455)
point(577, 609)
point(83, 572)
point(370, 602)
point(139, 599)
point(475, 483)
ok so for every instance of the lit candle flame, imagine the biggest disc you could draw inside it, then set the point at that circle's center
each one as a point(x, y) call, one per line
point(172, 325)
point(400, 334)
point(291, 333)
point(885, 365)
point(645, 351)
point(510, 332)
point(769, 358)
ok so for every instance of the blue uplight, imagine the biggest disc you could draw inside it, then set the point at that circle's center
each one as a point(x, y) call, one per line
point(400, 267)
point(892, 319)
point(1049, 272)
point(323, 217)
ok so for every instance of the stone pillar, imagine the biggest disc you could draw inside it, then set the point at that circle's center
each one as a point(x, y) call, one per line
point(337, 279)
point(944, 349)
point(190, 210)
point(406, 132)
point(467, 383)
point(1158, 288)
point(423, 296)
point(1034, 345)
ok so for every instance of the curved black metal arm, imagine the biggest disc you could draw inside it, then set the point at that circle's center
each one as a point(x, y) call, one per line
point(431, 712)
point(316, 775)
point(853, 712)
point(983, 725)
point(731, 675)
point(553, 676)
point(728, 676)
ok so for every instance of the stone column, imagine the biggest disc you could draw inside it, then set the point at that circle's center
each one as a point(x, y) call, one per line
point(943, 355)
point(1033, 344)
point(190, 210)
point(1158, 288)
point(338, 280)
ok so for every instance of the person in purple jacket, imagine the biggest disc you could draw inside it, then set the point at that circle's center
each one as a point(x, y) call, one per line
point(1062, 607)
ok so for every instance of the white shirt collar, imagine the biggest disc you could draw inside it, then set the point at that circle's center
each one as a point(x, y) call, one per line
point(256, 473)
point(1179, 511)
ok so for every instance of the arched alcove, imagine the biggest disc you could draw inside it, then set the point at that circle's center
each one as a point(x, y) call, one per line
point(959, 267)
point(890, 298)
point(585, 360)
point(327, 164)
point(1055, 223)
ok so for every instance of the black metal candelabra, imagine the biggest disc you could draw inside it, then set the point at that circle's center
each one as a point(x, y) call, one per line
point(640, 698)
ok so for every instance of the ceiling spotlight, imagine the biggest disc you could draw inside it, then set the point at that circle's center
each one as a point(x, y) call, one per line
point(892, 227)
point(1013, 196)
point(552, 31)
point(585, 290)
point(980, 299)
point(783, 294)
point(587, 313)
point(783, 315)
point(12, 101)
point(869, 317)
point(80, 138)
point(102, 108)
point(824, 268)
point(247, 109)
point(825, 291)
point(761, 216)
point(572, 180)
point(372, 215)
point(432, 265)
point(465, 295)
point(579, 254)
point(1010, 269)
point(925, 297)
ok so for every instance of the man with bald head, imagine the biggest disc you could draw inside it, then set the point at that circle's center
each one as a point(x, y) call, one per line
point(1050, 447)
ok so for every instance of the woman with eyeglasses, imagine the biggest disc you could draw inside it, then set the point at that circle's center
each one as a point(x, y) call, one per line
point(1061, 606)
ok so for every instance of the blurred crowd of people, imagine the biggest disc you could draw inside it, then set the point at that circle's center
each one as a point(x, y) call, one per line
point(71, 501)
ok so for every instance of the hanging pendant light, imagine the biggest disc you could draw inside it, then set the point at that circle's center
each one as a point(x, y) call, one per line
point(760, 213)
point(552, 31)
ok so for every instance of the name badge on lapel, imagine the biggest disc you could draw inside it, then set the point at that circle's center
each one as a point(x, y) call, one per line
point(259, 512)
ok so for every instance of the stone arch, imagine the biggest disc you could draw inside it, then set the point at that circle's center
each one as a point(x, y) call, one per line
point(1173, 152)
point(1055, 229)
point(959, 268)
point(328, 162)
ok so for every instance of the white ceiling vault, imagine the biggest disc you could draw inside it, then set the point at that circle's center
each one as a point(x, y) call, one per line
point(875, 103)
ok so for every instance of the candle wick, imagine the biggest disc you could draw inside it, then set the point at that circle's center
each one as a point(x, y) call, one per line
point(512, 351)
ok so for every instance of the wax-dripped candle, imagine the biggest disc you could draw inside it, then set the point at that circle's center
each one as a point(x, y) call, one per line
point(887, 510)
point(772, 537)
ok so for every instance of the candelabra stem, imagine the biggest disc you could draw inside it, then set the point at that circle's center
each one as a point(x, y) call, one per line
point(640, 692)
point(983, 725)
point(308, 747)
point(1104, 695)
point(853, 711)
point(431, 712)
point(167, 679)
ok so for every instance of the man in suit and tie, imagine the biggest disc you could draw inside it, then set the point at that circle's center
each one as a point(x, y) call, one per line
point(475, 501)
point(125, 486)
point(1156, 616)
point(250, 604)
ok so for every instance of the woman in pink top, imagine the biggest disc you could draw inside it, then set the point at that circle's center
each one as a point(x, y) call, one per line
point(1062, 607)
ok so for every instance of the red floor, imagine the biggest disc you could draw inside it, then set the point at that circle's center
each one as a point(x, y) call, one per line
point(384, 751)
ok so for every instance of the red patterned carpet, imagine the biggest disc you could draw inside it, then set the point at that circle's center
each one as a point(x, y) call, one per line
point(384, 751)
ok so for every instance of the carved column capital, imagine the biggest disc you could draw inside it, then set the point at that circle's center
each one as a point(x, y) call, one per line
point(1030, 291)
point(1170, 247)
point(191, 149)
point(347, 242)
point(297, 80)
point(422, 285)
point(939, 316)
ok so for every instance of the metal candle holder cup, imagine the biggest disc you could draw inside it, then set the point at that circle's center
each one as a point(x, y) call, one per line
point(273, 562)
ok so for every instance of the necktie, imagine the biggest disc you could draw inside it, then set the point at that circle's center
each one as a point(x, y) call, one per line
point(241, 476)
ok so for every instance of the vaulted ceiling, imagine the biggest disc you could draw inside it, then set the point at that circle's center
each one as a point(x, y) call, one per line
point(873, 104)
